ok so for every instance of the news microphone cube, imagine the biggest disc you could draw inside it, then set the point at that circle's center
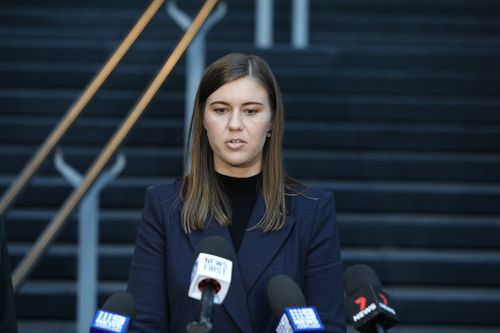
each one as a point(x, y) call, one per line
point(108, 322)
point(369, 305)
point(208, 267)
point(300, 319)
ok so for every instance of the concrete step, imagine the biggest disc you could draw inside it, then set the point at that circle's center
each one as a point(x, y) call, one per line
point(415, 305)
point(352, 196)
point(464, 7)
point(329, 164)
point(438, 57)
point(321, 18)
point(419, 231)
point(312, 81)
point(395, 267)
point(344, 108)
point(320, 135)
point(68, 326)
point(410, 231)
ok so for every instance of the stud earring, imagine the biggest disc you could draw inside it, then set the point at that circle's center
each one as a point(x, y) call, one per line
point(268, 134)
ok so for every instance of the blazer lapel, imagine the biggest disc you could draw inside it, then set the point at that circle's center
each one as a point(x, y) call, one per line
point(235, 302)
point(257, 248)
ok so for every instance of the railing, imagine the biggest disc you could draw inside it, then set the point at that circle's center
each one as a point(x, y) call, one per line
point(74, 111)
point(54, 227)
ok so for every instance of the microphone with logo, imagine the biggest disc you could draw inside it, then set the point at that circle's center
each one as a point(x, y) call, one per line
point(368, 306)
point(116, 314)
point(210, 279)
point(288, 301)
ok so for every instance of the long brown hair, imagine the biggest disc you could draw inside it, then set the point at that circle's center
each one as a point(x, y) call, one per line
point(200, 190)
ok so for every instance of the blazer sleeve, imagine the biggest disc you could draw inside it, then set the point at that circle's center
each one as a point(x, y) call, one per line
point(147, 276)
point(323, 268)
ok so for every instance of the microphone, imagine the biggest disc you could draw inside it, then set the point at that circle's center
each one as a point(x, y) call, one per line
point(368, 307)
point(288, 301)
point(116, 314)
point(210, 278)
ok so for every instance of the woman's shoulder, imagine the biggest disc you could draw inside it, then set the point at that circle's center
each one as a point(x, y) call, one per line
point(165, 191)
point(308, 198)
point(313, 208)
point(306, 193)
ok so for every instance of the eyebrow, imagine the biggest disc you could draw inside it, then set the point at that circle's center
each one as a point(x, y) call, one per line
point(226, 103)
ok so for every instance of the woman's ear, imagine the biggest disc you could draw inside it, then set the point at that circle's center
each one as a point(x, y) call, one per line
point(203, 121)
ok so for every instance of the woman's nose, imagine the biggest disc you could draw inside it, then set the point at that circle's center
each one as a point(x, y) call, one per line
point(235, 122)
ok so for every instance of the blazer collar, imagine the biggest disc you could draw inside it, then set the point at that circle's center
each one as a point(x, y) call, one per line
point(255, 254)
point(257, 248)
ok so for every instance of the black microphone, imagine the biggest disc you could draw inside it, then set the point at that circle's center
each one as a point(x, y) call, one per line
point(116, 315)
point(210, 279)
point(288, 302)
point(368, 306)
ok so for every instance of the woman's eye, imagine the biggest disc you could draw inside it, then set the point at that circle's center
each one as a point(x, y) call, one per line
point(251, 111)
point(220, 110)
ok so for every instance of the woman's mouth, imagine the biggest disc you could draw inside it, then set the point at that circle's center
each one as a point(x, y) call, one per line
point(235, 143)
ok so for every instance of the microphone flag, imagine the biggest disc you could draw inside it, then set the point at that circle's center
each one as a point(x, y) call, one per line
point(300, 319)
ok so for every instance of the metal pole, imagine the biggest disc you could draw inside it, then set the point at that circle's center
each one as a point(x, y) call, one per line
point(88, 237)
point(195, 62)
point(300, 24)
point(264, 23)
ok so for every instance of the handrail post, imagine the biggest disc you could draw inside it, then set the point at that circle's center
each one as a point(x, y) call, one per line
point(195, 61)
point(264, 23)
point(88, 237)
point(300, 24)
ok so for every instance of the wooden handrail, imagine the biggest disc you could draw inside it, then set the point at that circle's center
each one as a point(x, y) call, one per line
point(74, 111)
point(55, 226)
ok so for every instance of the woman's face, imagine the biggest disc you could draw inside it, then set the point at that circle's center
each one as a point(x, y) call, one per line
point(237, 117)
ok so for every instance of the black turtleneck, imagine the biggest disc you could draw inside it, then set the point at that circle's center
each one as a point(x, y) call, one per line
point(242, 194)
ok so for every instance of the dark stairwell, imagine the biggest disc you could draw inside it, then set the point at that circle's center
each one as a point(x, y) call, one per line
point(395, 107)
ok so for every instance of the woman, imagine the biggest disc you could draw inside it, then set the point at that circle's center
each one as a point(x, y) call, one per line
point(236, 188)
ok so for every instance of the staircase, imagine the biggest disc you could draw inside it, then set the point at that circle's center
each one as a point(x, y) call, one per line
point(395, 107)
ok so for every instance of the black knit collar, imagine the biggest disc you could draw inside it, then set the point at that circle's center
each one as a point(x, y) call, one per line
point(247, 187)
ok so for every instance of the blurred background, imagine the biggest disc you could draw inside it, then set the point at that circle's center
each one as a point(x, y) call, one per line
point(394, 105)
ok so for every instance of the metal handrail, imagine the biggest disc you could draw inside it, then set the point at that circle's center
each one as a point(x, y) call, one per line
point(54, 227)
point(74, 111)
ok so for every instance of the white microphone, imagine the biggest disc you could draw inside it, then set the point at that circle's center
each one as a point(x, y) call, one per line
point(210, 278)
point(287, 300)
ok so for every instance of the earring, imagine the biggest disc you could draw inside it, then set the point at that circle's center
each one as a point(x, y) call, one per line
point(268, 134)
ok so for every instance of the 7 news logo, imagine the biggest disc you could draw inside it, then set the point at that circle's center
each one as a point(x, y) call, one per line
point(361, 301)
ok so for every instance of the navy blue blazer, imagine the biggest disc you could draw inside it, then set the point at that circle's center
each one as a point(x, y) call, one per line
point(306, 249)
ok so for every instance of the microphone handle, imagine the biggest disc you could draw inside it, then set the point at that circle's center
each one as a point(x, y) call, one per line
point(207, 304)
point(379, 328)
point(196, 327)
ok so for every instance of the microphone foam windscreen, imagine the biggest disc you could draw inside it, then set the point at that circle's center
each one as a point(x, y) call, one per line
point(122, 303)
point(284, 292)
point(216, 246)
point(358, 276)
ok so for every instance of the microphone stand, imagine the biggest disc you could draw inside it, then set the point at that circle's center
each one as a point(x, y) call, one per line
point(204, 324)
point(379, 328)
